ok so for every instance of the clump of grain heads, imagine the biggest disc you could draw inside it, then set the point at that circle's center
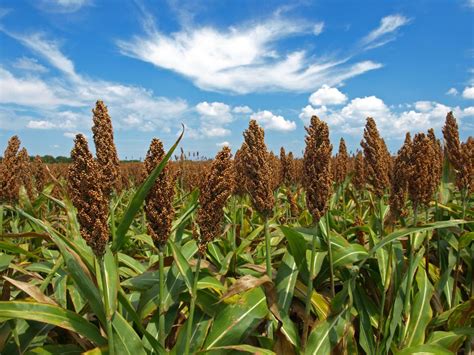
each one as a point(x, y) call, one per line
point(438, 157)
point(25, 171)
point(358, 179)
point(400, 178)
point(257, 169)
point(106, 152)
point(376, 158)
point(459, 155)
point(88, 197)
point(342, 162)
point(421, 181)
point(317, 168)
point(39, 173)
point(218, 187)
point(9, 171)
point(159, 201)
point(239, 171)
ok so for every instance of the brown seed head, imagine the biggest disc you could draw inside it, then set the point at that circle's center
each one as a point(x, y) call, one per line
point(342, 162)
point(241, 186)
point(400, 178)
point(358, 179)
point(24, 167)
point(437, 163)
point(257, 169)
point(9, 172)
point(376, 158)
point(39, 173)
point(159, 201)
point(459, 155)
point(88, 197)
point(421, 181)
point(317, 168)
point(217, 188)
point(105, 148)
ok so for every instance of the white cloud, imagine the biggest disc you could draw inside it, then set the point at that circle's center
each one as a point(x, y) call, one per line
point(327, 96)
point(215, 112)
point(223, 144)
point(63, 6)
point(242, 59)
point(468, 92)
point(29, 64)
point(30, 91)
point(273, 122)
point(242, 109)
point(41, 125)
point(452, 92)
point(318, 28)
point(385, 32)
point(310, 111)
point(215, 131)
point(130, 106)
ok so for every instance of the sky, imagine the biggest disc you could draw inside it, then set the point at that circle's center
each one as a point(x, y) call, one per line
point(213, 65)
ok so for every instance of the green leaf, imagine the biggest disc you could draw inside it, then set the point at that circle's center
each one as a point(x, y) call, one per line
point(50, 314)
point(286, 281)
point(137, 200)
point(126, 339)
point(237, 320)
point(324, 336)
point(200, 327)
point(451, 340)
point(241, 348)
point(421, 311)
point(68, 349)
point(182, 265)
point(110, 282)
point(425, 349)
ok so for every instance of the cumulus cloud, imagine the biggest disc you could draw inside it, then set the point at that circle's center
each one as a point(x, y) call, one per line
point(452, 92)
point(242, 59)
point(351, 118)
point(223, 144)
point(242, 109)
point(468, 92)
point(327, 96)
point(386, 32)
point(269, 121)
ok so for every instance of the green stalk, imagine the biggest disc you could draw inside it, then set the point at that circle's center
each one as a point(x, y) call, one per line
point(309, 286)
point(458, 256)
point(427, 247)
point(387, 278)
point(192, 306)
point(161, 319)
point(108, 320)
point(267, 249)
point(331, 266)
point(1, 219)
point(410, 269)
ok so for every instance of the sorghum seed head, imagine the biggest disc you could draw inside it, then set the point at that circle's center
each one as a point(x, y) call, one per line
point(399, 179)
point(88, 196)
point(105, 148)
point(358, 179)
point(217, 188)
point(317, 168)
point(159, 201)
point(9, 171)
point(376, 158)
point(257, 169)
point(342, 162)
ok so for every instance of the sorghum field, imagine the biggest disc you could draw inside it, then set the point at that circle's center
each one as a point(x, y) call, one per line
point(246, 253)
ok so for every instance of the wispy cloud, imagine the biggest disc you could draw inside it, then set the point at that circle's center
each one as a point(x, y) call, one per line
point(386, 32)
point(69, 96)
point(243, 59)
point(63, 6)
point(29, 64)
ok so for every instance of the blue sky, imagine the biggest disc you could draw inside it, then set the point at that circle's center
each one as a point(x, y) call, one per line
point(214, 65)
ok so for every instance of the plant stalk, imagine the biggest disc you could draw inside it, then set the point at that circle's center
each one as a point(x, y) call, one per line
point(385, 282)
point(108, 320)
point(458, 256)
point(331, 266)
point(192, 306)
point(309, 286)
point(161, 318)
point(268, 249)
